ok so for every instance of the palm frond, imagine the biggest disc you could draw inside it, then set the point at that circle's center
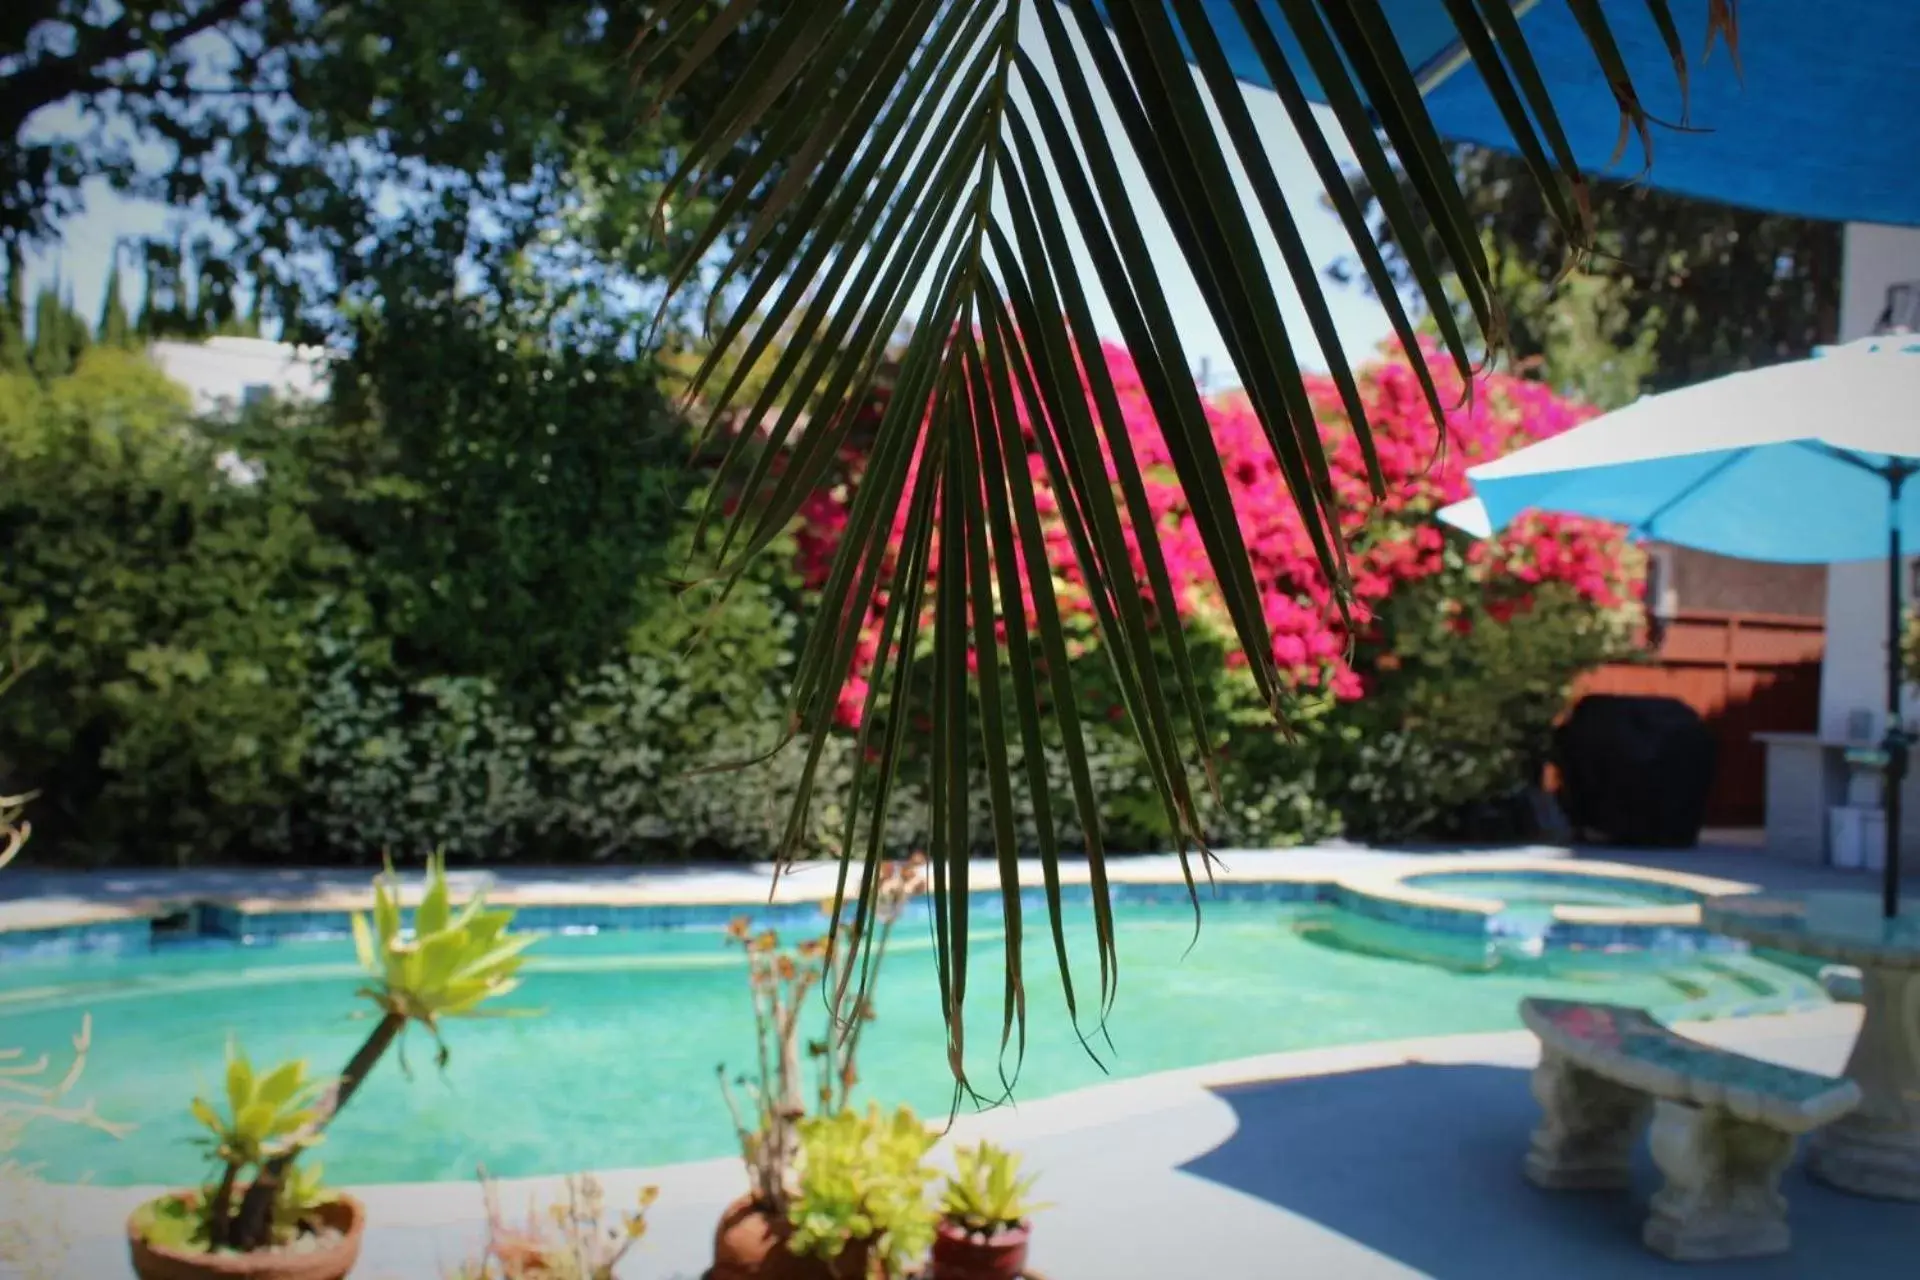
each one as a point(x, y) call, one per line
point(954, 159)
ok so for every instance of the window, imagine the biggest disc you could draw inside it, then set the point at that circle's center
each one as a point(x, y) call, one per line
point(254, 393)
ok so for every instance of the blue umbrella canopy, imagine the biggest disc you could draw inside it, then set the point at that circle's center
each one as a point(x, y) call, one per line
point(1811, 461)
point(1821, 120)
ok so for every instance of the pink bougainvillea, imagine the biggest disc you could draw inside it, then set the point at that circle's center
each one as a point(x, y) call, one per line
point(1392, 543)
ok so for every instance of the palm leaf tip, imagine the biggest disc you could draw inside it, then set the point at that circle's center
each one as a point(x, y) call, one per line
point(917, 158)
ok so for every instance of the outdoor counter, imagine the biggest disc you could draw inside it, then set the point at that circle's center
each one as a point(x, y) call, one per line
point(1807, 775)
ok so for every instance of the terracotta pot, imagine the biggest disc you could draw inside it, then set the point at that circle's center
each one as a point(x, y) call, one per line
point(334, 1262)
point(751, 1244)
point(958, 1254)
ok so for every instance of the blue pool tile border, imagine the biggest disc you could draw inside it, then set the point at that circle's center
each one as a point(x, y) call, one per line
point(95, 937)
point(225, 922)
point(257, 928)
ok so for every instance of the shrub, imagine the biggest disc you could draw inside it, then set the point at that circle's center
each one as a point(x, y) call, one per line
point(638, 750)
point(167, 605)
point(1441, 692)
point(444, 762)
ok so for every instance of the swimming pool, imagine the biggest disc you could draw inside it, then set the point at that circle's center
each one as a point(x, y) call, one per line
point(614, 1064)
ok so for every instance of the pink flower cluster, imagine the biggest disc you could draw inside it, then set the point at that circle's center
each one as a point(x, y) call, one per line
point(1392, 543)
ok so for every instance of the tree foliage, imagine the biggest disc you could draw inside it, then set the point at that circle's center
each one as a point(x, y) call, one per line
point(1435, 696)
point(509, 482)
point(116, 326)
point(60, 335)
point(306, 132)
point(1675, 290)
point(167, 607)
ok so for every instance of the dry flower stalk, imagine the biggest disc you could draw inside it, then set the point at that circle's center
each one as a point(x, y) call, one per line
point(847, 964)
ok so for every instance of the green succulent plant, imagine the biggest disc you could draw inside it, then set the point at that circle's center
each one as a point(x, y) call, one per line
point(452, 961)
point(450, 964)
point(266, 1115)
point(986, 1192)
point(302, 1193)
point(863, 1177)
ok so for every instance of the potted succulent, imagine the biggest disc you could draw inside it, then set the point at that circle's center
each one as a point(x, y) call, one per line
point(311, 1234)
point(860, 1201)
point(264, 1216)
point(984, 1217)
point(755, 1235)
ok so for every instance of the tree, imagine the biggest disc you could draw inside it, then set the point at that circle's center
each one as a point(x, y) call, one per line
point(116, 329)
point(936, 158)
point(59, 335)
point(511, 477)
point(1674, 291)
point(13, 315)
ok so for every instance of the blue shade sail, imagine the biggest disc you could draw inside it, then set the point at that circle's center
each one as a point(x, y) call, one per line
point(1823, 120)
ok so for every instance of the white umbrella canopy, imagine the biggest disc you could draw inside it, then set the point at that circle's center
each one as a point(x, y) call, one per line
point(1812, 461)
point(1792, 463)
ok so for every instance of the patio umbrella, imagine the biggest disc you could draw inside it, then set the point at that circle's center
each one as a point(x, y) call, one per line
point(1813, 461)
point(1818, 120)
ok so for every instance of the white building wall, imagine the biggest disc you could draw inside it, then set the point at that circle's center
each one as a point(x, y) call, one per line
point(1853, 677)
point(223, 373)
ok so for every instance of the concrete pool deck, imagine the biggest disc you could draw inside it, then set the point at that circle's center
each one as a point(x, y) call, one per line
point(1390, 1160)
point(31, 899)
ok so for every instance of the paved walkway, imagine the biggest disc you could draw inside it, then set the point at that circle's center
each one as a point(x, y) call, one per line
point(1388, 1160)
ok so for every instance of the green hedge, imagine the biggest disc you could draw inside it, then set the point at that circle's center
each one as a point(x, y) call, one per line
point(164, 610)
point(254, 669)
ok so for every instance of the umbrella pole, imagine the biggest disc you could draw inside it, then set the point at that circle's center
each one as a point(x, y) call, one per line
point(1896, 740)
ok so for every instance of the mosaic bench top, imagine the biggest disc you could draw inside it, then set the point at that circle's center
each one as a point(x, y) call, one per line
point(1626, 1045)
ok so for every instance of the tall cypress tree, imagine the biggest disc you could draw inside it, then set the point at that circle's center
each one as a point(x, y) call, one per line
point(13, 315)
point(59, 335)
point(116, 329)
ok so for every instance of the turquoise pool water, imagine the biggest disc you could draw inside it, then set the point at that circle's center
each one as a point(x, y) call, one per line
point(614, 1064)
point(1544, 889)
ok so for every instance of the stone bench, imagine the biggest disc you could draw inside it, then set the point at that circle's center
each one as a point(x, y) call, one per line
point(1723, 1124)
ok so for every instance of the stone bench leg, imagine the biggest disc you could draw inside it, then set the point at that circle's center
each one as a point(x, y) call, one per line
point(1588, 1126)
point(1722, 1194)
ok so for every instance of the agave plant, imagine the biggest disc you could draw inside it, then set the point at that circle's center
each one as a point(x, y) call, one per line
point(948, 155)
point(449, 965)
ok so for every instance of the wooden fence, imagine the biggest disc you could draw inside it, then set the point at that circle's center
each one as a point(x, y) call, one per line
point(1745, 673)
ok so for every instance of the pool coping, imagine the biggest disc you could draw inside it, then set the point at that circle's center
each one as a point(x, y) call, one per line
point(1390, 885)
point(747, 886)
point(1371, 883)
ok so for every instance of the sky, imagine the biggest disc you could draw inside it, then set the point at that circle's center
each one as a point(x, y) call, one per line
point(83, 258)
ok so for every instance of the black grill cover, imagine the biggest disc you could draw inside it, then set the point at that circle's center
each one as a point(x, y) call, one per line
point(1635, 771)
